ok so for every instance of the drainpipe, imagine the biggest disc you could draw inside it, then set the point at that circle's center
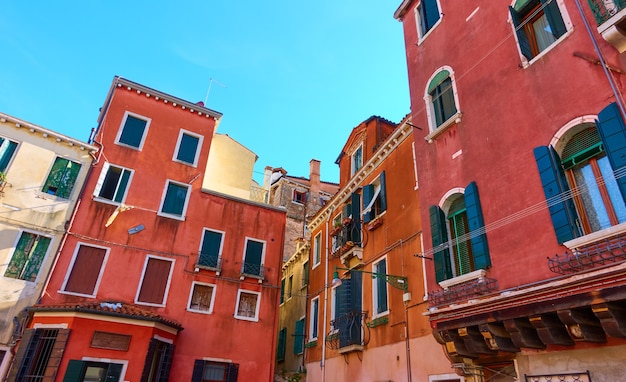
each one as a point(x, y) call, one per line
point(618, 98)
point(323, 362)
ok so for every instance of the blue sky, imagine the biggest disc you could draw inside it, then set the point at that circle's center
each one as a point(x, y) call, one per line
point(292, 78)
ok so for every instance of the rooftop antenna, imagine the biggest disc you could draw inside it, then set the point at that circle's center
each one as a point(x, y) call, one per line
point(209, 89)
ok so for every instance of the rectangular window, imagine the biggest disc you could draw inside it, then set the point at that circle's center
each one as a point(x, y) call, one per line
point(133, 130)
point(7, 149)
point(248, 303)
point(305, 274)
point(210, 371)
point(374, 199)
point(298, 338)
point(317, 250)
point(314, 317)
point(113, 183)
point(538, 24)
point(427, 13)
point(211, 249)
point(282, 344)
point(253, 258)
point(61, 178)
point(356, 160)
point(85, 271)
point(155, 281)
point(27, 257)
point(39, 354)
point(201, 298)
point(282, 291)
point(379, 288)
point(290, 287)
point(299, 197)
point(188, 147)
point(158, 361)
point(443, 102)
point(91, 371)
point(175, 200)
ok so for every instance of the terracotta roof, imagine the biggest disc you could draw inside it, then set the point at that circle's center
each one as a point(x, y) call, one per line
point(108, 308)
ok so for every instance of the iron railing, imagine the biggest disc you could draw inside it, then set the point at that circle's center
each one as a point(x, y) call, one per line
point(464, 291)
point(347, 330)
point(605, 9)
point(213, 262)
point(606, 251)
point(345, 237)
point(563, 377)
point(252, 269)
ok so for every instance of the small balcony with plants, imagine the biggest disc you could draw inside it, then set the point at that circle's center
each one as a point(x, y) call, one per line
point(610, 16)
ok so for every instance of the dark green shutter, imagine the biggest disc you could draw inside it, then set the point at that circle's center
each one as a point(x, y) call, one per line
point(5, 158)
point(522, 39)
point(368, 192)
point(382, 196)
point(355, 210)
point(612, 131)
point(74, 371)
point(381, 287)
point(114, 372)
point(282, 291)
point(356, 306)
point(555, 188)
point(553, 14)
point(441, 252)
point(231, 372)
point(431, 10)
point(476, 223)
point(282, 339)
point(198, 370)
point(298, 340)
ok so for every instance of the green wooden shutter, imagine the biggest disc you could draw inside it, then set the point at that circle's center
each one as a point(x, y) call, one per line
point(381, 287)
point(37, 254)
point(555, 188)
point(74, 371)
point(20, 255)
point(612, 131)
point(553, 14)
point(282, 291)
point(231, 372)
point(282, 339)
point(368, 192)
point(7, 148)
point(441, 252)
point(298, 340)
point(522, 39)
point(476, 223)
point(198, 369)
point(382, 197)
point(355, 210)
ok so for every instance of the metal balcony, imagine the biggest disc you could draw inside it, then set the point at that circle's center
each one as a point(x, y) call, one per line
point(606, 251)
point(211, 262)
point(610, 18)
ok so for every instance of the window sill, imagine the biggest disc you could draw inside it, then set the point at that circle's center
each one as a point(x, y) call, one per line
point(170, 216)
point(200, 311)
point(251, 319)
point(445, 284)
point(425, 36)
point(595, 236)
point(384, 320)
point(185, 163)
point(456, 118)
point(527, 63)
point(76, 294)
point(372, 225)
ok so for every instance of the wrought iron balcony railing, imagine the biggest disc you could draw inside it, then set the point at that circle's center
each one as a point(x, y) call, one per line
point(606, 251)
point(212, 262)
point(253, 270)
point(348, 331)
point(603, 10)
point(464, 291)
point(345, 237)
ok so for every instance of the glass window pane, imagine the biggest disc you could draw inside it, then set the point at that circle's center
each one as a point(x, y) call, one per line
point(7, 148)
point(109, 185)
point(247, 305)
point(133, 130)
point(175, 198)
point(613, 189)
point(592, 199)
point(187, 149)
point(543, 33)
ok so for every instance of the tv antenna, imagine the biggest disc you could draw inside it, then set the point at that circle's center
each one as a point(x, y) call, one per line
point(209, 89)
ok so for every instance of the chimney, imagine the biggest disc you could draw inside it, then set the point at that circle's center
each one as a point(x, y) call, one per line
point(314, 177)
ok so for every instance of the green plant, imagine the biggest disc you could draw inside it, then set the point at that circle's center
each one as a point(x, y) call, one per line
point(3, 176)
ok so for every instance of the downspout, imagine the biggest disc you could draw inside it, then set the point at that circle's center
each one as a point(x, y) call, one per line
point(406, 322)
point(323, 361)
point(618, 98)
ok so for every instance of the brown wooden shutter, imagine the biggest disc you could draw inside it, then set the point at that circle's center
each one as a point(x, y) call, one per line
point(155, 281)
point(86, 270)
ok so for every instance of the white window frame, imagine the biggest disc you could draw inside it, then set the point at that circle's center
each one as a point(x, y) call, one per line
point(430, 110)
point(3, 268)
point(105, 170)
point(258, 305)
point(121, 128)
point(223, 233)
point(294, 199)
point(353, 169)
point(6, 170)
point(290, 287)
point(418, 22)
point(317, 250)
point(375, 312)
point(211, 304)
point(167, 286)
point(198, 149)
point(71, 267)
point(245, 246)
point(4, 363)
point(184, 212)
point(122, 362)
point(333, 313)
point(312, 328)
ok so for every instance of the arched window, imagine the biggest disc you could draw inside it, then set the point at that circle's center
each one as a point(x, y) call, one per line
point(441, 100)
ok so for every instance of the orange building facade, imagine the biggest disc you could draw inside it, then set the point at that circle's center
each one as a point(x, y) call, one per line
point(158, 278)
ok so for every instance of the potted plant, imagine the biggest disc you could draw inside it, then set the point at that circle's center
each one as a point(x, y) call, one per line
point(336, 228)
point(3, 180)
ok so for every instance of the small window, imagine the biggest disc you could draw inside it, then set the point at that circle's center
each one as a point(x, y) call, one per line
point(305, 274)
point(210, 371)
point(356, 160)
point(290, 287)
point(158, 362)
point(282, 291)
point(253, 258)
point(27, 257)
point(201, 298)
point(85, 271)
point(188, 147)
point(7, 149)
point(61, 178)
point(427, 14)
point(314, 317)
point(155, 281)
point(298, 338)
point(248, 303)
point(538, 24)
point(175, 199)
point(133, 131)
point(317, 250)
point(211, 249)
point(91, 371)
point(374, 199)
point(379, 288)
point(299, 197)
point(113, 183)
point(33, 364)
point(282, 344)
point(441, 99)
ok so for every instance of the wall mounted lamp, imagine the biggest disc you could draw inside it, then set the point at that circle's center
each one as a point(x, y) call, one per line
point(399, 282)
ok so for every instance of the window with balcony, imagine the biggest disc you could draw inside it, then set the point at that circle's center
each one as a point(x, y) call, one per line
point(210, 371)
point(175, 200)
point(538, 24)
point(7, 149)
point(155, 281)
point(211, 250)
point(379, 288)
point(61, 178)
point(374, 199)
point(85, 270)
point(253, 257)
point(113, 183)
point(201, 298)
point(29, 252)
point(427, 14)
point(583, 184)
point(133, 131)
point(346, 311)
point(248, 303)
point(188, 148)
point(458, 235)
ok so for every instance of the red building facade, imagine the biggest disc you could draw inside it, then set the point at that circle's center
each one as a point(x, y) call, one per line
point(158, 278)
point(519, 154)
